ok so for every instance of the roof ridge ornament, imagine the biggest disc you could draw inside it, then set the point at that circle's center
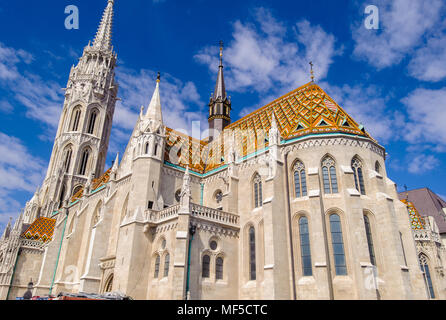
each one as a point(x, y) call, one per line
point(312, 72)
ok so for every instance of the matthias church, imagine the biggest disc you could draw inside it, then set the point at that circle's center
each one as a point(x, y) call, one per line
point(289, 202)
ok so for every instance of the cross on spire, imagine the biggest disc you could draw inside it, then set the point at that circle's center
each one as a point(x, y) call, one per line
point(221, 52)
point(312, 72)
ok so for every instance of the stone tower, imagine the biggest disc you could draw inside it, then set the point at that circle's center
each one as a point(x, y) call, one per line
point(219, 105)
point(82, 138)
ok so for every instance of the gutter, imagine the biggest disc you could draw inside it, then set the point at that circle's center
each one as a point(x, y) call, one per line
point(192, 230)
point(58, 254)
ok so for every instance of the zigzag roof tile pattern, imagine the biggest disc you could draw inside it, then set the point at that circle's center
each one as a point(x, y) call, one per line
point(417, 222)
point(305, 111)
point(42, 229)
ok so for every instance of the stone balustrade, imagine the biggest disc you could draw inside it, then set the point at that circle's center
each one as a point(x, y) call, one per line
point(197, 211)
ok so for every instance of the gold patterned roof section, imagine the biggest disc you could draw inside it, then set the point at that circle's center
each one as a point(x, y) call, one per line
point(184, 151)
point(304, 111)
point(42, 229)
point(417, 222)
point(97, 183)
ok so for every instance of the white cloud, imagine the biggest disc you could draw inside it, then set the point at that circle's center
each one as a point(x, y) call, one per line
point(426, 110)
point(366, 105)
point(403, 27)
point(270, 59)
point(20, 171)
point(43, 100)
point(422, 163)
point(428, 63)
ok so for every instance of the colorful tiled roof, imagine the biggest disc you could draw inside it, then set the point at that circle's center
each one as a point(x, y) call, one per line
point(305, 111)
point(42, 229)
point(417, 222)
point(97, 183)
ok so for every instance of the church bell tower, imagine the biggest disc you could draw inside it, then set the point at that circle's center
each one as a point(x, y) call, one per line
point(219, 104)
point(82, 138)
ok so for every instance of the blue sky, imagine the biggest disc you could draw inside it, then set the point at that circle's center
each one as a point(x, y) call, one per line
point(392, 80)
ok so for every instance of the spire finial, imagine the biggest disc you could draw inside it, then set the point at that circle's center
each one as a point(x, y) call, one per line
point(103, 36)
point(312, 72)
point(158, 78)
point(221, 53)
point(407, 193)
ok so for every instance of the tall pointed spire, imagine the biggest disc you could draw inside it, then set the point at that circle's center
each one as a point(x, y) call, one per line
point(154, 110)
point(219, 104)
point(220, 89)
point(103, 36)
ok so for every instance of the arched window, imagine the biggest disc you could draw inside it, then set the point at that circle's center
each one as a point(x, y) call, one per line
point(258, 201)
point(206, 266)
point(156, 150)
point(252, 254)
point(424, 265)
point(62, 196)
point(92, 122)
point(75, 119)
point(146, 149)
point(166, 265)
point(368, 232)
point(305, 248)
point(300, 180)
point(76, 190)
point(219, 268)
point(84, 162)
point(109, 284)
point(358, 175)
point(329, 176)
point(338, 245)
point(67, 160)
point(377, 167)
point(157, 266)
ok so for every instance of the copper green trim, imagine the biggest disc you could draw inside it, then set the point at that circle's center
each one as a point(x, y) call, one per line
point(58, 254)
point(13, 273)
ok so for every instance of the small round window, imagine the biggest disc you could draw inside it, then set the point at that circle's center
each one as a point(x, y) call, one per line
point(213, 245)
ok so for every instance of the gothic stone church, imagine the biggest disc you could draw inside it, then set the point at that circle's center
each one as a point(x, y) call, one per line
point(290, 202)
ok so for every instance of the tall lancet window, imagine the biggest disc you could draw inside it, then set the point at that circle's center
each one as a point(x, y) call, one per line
point(358, 175)
point(252, 254)
point(424, 265)
point(337, 243)
point(92, 122)
point(84, 162)
point(305, 247)
point(166, 265)
point(67, 160)
point(329, 175)
point(157, 267)
point(258, 201)
point(300, 180)
point(206, 266)
point(368, 232)
point(75, 119)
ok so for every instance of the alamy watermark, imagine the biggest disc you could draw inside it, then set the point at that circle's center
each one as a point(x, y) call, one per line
point(72, 20)
point(371, 22)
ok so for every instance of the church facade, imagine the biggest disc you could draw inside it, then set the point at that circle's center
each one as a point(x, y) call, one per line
point(290, 202)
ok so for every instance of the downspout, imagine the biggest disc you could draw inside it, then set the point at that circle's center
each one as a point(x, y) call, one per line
point(290, 228)
point(13, 273)
point(324, 231)
point(192, 230)
point(58, 254)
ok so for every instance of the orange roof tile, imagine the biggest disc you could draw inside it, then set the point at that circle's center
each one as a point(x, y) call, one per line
point(304, 111)
point(42, 229)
